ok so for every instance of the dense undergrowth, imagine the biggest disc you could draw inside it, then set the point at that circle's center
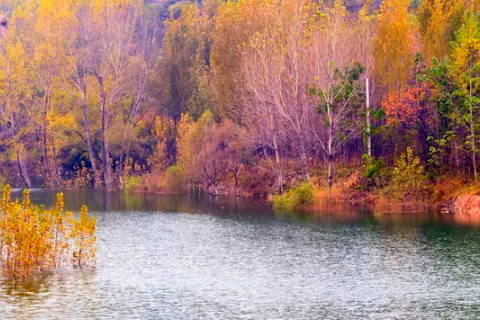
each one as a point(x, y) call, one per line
point(404, 187)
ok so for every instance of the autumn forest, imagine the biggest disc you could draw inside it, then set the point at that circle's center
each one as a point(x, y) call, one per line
point(293, 100)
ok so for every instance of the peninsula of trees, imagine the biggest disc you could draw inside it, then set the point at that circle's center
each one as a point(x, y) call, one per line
point(252, 97)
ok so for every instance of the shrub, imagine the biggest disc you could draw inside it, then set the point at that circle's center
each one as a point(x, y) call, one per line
point(300, 198)
point(34, 239)
point(257, 179)
point(174, 179)
point(375, 173)
point(409, 181)
point(133, 183)
point(171, 180)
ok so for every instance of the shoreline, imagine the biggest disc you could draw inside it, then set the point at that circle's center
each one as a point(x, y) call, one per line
point(460, 200)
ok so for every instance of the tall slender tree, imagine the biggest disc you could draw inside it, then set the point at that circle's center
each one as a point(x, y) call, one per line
point(466, 71)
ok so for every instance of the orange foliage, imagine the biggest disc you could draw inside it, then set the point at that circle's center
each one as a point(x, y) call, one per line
point(404, 106)
point(467, 205)
point(344, 192)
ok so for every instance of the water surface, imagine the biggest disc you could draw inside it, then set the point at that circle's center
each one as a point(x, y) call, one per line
point(185, 257)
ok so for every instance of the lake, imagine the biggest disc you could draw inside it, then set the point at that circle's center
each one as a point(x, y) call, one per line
point(190, 257)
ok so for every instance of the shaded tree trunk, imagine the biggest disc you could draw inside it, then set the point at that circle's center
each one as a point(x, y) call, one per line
point(330, 148)
point(330, 170)
point(49, 175)
point(474, 157)
point(88, 138)
point(22, 169)
point(472, 134)
point(369, 125)
point(278, 162)
point(129, 122)
point(304, 158)
point(107, 169)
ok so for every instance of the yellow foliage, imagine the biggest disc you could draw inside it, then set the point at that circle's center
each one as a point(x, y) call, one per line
point(438, 23)
point(394, 44)
point(466, 52)
point(191, 141)
point(236, 22)
point(83, 233)
point(34, 239)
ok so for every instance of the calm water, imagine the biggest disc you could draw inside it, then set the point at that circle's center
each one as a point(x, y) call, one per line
point(177, 257)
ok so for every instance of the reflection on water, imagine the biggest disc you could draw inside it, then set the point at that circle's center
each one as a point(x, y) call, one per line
point(190, 257)
point(120, 202)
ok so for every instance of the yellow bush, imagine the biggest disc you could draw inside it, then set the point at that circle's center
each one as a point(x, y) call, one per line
point(34, 239)
point(174, 179)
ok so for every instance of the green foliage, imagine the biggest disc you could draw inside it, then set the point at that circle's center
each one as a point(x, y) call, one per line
point(465, 71)
point(339, 107)
point(375, 173)
point(409, 181)
point(345, 91)
point(185, 66)
point(439, 77)
point(437, 152)
point(300, 198)
point(466, 62)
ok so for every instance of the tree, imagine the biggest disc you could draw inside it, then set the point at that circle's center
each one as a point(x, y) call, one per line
point(236, 22)
point(404, 106)
point(366, 30)
point(439, 19)
point(16, 98)
point(445, 153)
point(116, 66)
point(274, 66)
point(50, 42)
point(409, 180)
point(409, 110)
point(339, 106)
point(185, 66)
point(466, 71)
point(394, 45)
point(207, 150)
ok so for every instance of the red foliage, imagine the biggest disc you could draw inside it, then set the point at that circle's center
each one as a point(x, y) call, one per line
point(405, 106)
